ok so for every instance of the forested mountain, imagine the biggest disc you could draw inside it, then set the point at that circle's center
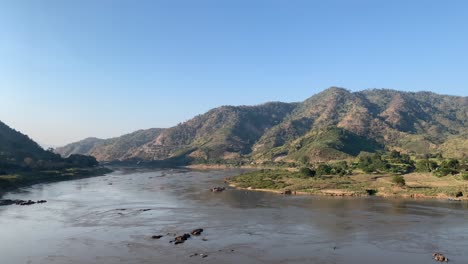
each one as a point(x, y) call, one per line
point(333, 124)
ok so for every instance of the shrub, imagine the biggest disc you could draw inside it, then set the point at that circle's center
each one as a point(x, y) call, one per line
point(369, 162)
point(450, 164)
point(399, 180)
point(440, 172)
point(307, 172)
point(426, 165)
point(323, 169)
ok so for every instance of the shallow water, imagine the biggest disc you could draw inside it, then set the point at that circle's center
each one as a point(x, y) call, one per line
point(83, 222)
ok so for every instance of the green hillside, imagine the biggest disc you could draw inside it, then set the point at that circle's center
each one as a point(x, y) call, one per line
point(330, 125)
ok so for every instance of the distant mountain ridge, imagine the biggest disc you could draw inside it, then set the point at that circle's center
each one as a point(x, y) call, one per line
point(332, 124)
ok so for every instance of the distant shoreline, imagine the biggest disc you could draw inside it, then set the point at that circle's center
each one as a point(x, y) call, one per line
point(19, 180)
point(419, 186)
point(341, 193)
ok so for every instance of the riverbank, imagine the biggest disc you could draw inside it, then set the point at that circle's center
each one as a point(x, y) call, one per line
point(21, 179)
point(418, 185)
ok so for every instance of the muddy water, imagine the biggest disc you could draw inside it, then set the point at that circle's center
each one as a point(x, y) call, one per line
point(104, 220)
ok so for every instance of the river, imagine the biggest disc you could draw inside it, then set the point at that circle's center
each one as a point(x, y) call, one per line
point(110, 219)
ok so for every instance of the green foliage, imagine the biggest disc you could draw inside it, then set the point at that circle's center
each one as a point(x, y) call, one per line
point(399, 180)
point(307, 172)
point(426, 165)
point(448, 166)
point(331, 143)
point(441, 171)
point(323, 169)
point(372, 162)
point(262, 179)
point(393, 162)
point(340, 168)
point(465, 176)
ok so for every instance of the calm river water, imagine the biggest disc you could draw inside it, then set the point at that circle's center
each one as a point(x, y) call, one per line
point(104, 220)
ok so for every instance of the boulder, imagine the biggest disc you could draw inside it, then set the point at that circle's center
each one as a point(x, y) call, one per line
point(197, 232)
point(218, 189)
point(439, 257)
point(181, 239)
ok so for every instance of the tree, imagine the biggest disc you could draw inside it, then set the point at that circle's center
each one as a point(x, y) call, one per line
point(426, 165)
point(372, 162)
point(323, 169)
point(399, 180)
point(307, 172)
point(450, 164)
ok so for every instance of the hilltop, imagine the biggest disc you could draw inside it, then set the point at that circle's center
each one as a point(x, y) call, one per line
point(331, 125)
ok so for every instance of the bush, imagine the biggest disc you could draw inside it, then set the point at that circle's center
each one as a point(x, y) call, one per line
point(440, 172)
point(450, 164)
point(369, 162)
point(323, 169)
point(399, 180)
point(307, 172)
point(426, 165)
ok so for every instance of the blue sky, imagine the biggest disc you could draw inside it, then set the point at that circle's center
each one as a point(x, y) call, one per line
point(73, 69)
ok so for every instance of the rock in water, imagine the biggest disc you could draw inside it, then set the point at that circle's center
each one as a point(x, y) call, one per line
point(197, 232)
point(439, 257)
point(181, 239)
point(218, 189)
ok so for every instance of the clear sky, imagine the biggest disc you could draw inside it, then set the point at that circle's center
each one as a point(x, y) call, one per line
point(73, 69)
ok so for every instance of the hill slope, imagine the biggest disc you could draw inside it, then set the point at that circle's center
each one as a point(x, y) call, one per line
point(16, 149)
point(333, 124)
point(120, 148)
point(23, 162)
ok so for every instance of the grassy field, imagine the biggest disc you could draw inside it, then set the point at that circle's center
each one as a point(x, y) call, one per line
point(418, 185)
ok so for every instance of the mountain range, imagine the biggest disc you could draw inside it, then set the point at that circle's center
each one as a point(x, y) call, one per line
point(333, 124)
